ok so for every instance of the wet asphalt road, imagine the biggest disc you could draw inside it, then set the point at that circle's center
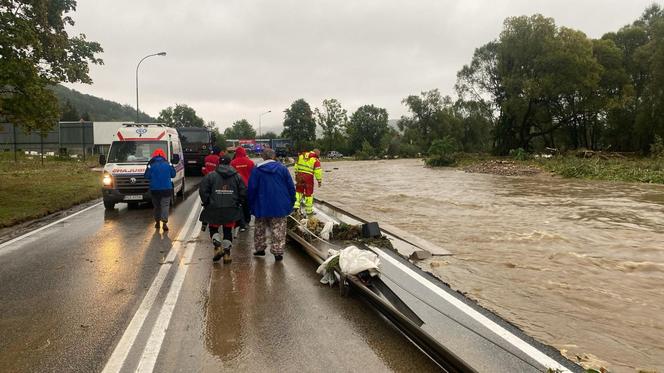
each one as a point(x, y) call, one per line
point(68, 294)
point(259, 315)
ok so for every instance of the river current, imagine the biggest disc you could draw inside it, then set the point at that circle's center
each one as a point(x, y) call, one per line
point(578, 265)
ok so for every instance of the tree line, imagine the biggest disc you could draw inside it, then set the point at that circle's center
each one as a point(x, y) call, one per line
point(536, 86)
point(548, 86)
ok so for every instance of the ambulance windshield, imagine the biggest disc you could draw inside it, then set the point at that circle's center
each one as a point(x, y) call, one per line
point(134, 151)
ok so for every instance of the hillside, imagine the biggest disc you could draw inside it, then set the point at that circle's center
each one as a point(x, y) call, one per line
point(97, 108)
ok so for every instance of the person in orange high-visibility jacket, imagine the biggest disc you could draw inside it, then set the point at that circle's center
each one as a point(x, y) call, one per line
point(306, 169)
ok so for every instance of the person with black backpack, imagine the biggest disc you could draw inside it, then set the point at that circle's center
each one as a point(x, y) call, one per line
point(222, 193)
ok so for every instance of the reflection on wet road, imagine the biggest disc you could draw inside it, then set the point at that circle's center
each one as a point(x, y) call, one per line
point(258, 315)
point(577, 264)
point(68, 291)
point(71, 293)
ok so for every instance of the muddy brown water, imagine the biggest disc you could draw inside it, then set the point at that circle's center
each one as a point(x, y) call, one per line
point(576, 264)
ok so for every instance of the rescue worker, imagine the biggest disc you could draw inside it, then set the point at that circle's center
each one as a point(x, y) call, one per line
point(212, 160)
point(306, 169)
point(160, 172)
point(221, 192)
point(244, 166)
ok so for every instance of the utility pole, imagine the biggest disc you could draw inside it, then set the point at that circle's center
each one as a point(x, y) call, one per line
point(259, 122)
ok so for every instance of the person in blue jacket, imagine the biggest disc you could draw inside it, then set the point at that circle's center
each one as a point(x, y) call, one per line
point(271, 195)
point(160, 172)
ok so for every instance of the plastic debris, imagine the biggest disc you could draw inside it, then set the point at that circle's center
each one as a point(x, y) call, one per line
point(327, 230)
point(351, 261)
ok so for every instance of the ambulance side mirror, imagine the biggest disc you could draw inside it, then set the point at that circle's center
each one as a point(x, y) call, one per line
point(102, 159)
point(175, 159)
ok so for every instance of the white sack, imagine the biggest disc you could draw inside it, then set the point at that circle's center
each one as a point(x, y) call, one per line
point(327, 230)
point(353, 261)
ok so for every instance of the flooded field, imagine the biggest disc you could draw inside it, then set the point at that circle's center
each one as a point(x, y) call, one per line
point(578, 265)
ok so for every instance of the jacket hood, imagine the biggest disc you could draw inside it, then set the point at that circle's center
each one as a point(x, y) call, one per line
point(157, 158)
point(159, 152)
point(269, 166)
point(310, 155)
point(240, 152)
point(225, 170)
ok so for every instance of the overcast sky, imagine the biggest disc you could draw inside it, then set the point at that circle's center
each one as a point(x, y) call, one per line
point(235, 59)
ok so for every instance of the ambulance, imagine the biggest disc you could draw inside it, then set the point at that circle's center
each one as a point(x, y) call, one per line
point(128, 157)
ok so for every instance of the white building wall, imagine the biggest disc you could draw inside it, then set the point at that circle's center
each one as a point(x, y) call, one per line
point(104, 132)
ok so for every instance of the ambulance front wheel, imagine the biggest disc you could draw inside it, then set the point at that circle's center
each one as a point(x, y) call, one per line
point(109, 205)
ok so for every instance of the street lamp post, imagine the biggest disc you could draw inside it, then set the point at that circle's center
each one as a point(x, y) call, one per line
point(137, 66)
point(259, 122)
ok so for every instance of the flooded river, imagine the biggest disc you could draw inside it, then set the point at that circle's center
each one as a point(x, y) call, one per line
point(578, 265)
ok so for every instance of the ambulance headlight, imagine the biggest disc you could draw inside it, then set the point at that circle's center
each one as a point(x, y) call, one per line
point(107, 180)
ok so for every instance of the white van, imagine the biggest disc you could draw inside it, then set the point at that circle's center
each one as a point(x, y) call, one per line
point(127, 159)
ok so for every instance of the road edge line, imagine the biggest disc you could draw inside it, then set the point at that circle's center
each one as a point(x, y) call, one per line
point(121, 350)
point(152, 348)
point(26, 235)
point(531, 351)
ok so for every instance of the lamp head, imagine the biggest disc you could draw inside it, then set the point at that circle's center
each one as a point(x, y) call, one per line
point(161, 54)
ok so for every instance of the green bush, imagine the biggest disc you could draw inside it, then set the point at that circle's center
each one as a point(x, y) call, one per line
point(409, 151)
point(519, 154)
point(442, 152)
point(367, 152)
point(657, 147)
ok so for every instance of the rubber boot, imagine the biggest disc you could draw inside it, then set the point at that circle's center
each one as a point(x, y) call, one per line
point(226, 245)
point(218, 252)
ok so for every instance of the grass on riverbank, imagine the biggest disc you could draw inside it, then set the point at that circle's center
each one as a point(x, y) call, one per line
point(625, 169)
point(642, 170)
point(29, 190)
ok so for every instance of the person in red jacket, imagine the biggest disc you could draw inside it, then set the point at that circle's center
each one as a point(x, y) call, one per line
point(212, 161)
point(243, 165)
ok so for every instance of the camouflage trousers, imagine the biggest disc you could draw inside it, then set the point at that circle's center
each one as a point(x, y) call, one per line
point(277, 229)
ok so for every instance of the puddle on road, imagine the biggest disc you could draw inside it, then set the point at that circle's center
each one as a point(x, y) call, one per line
point(267, 316)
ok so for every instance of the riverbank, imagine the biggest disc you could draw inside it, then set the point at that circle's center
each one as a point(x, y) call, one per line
point(625, 169)
point(30, 190)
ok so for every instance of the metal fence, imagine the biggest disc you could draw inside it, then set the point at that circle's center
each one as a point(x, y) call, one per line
point(67, 139)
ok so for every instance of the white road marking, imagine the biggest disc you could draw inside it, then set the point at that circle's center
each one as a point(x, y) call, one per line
point(515, 341)
point(121, 351)
point(154, 343)
point(6, 248)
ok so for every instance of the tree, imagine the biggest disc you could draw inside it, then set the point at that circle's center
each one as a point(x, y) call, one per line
point(367, 124)
point(36, 52)
point(433, 117)
point(299, 125)
point(270, 135)
point(218, 138)
point(69, 113)
point(180, 116)
point(442, 152)
point(539, 79)
point(424, 122)
point(332, 119)
point(241, 129)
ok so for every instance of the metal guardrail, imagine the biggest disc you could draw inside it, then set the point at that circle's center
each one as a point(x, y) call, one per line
point(443, 357)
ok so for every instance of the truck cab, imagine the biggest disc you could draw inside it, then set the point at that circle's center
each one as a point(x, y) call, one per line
point(197, 144)
point(127, 159)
